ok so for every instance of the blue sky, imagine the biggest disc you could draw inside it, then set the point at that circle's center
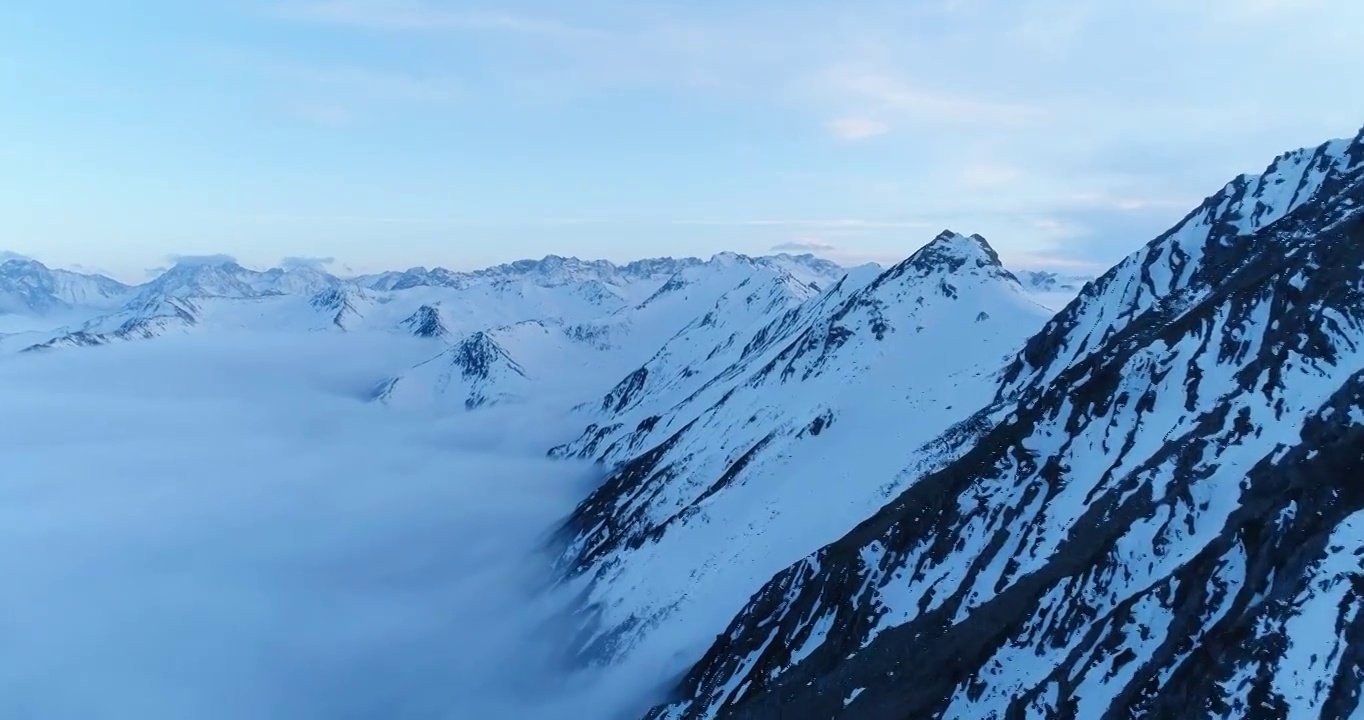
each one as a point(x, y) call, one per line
point(390, 133)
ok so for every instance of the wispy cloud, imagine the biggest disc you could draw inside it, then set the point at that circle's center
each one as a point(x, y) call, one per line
point(319, 263)
point(894, 96)
point(214, 259)
point(1053, 263)
point(415, 16)
point(856, 128)
point(321, 113)
point(978, 176)
point(1130, 203)
point(810, 246)
point(344, 81)
point(838, 223)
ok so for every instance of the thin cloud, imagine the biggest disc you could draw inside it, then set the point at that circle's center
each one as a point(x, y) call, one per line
point(804, 247)
point(316, 263)
point(214, 259)
point(362, 83)
point(840, 223)
point(419, 17)
point(979, 176)
point(1053, 263)
point(10, 255)
point(856, 128)
point(894, 94)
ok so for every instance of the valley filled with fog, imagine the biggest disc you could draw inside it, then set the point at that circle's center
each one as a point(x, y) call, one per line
point(220, 526)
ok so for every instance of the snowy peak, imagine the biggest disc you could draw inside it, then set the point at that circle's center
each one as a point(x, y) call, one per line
point(426, 322)
point(474, 373)
point(412, 278)
point(510, 364)
point(227, 279)
point(343, 305)
point(299, 280)
point(203, 279)
point(480, 357)
point(951, 253)
point(30, 287)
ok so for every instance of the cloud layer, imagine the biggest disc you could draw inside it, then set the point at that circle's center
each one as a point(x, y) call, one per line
point(226, 532)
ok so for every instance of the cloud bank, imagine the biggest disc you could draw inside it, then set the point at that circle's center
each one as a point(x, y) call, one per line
point(226, 532)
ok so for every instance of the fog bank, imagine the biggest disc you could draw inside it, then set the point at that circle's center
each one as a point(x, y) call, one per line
point(219, 528)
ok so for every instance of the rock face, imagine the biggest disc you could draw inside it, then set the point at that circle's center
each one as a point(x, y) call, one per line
point(1159, 512)
point(753, 437)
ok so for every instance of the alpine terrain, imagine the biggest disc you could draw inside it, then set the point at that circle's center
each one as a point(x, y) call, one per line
point(1154, 508)
point(941, 488)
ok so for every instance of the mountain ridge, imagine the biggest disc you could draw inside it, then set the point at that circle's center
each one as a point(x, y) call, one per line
point(1150, 517)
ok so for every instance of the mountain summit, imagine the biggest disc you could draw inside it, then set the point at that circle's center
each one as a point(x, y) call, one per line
point(30, 287)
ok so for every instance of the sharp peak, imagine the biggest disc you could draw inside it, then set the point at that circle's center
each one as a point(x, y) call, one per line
point(950, 253)
point(951, 244)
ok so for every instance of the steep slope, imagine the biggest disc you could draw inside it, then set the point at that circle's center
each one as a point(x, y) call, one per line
point(1160, 515)
point(716, 483)
point(29, 287)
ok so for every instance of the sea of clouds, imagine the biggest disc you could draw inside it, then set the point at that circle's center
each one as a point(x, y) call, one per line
point(221, 527)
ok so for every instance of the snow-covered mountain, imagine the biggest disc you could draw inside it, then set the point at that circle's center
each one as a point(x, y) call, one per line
point(1155, 511)
point(759, 434)
point(29, 287)
point(345, 306)
point(483, 368)
point(227, 279)
point(559, 354)
point(427, 322)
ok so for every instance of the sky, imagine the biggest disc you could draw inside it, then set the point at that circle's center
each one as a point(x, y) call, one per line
point(380, 134)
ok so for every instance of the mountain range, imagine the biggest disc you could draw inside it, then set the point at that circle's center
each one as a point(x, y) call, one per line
point(937, 489)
